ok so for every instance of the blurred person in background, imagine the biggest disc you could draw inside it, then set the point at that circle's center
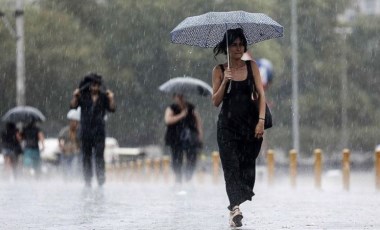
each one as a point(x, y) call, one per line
point(94, 104)
point(69, 144)
point(31, 137)
point(184, 136)
point(11, 148)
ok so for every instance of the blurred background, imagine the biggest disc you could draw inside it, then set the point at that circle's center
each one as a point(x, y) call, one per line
point(127, 41)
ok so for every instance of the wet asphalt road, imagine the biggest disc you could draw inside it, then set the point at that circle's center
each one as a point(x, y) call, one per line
point(55, 204)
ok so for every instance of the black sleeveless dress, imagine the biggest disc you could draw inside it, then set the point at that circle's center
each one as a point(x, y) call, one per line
point(237, 145)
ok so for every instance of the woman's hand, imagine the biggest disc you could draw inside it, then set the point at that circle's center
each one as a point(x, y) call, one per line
point(219, 82)
point(259, 131)
point(171, 118)
point(184, 112)
point(109, 94)
point(76, 93)
point(227, 75)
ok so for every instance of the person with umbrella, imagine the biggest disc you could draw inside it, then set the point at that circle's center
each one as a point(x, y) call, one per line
point(240, 126)
point(184, 135)
point(32, 136)
point(241, 122)
point(94, 104)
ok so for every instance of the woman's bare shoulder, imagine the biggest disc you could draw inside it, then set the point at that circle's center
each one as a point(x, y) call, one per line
point(253, 62)
point(218, 68)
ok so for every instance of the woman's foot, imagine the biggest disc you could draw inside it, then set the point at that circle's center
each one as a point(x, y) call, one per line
point(235, 217)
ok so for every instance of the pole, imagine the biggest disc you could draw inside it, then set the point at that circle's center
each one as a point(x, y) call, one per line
point(294, 41)
point(318, 168)
point(346, 169)
point(293, 167)
point(344, 30)
point(166, 167)
point(344, 93)
point(215, 166)
point(270, 166)
point(20, 54)
point(377, 169)
point(148, 168)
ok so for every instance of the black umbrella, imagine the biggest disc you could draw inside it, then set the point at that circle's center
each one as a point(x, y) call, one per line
point(85, 83)
point(25, 114)
point(186, 85)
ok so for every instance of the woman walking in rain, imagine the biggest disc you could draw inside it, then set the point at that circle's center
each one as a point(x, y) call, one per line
point(184, 135)
point(240, 126)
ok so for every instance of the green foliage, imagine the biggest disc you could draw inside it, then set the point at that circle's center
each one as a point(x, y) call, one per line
point(128, 42)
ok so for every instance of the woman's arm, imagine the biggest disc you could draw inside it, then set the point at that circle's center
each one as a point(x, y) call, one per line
point(261, 97)
point(111, 101)
point(41, 138)
point(171, 118)
point(219, 83)
point(199, 125)
point(259, 89)
point(75, 99)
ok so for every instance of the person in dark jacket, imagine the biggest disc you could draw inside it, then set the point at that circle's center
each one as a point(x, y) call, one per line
point(11, 148)
point(184, 135)
point(94, 104)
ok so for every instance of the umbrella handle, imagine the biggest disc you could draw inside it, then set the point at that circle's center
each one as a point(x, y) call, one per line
point(228, 52)
point(228, 59)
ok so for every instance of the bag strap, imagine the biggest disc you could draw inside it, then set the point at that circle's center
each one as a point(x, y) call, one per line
point(228, 83)
point(250, 72)
point(222, 67)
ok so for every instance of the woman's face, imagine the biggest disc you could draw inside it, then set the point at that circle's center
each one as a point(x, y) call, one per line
point(73, 124)
point(236, 49)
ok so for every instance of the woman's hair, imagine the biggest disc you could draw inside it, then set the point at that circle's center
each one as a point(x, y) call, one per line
point(232, 35)
point(32, 123)
point(10, 126)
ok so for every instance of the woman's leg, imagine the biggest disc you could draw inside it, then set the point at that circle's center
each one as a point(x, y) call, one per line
point(229, 156)
point(249, 153)
point(37, 162)
point(177, 159)
point(239, 166)
point(27, 158)
point(7, 162)
point(191, 161)
point(87, 161)
point(14, 163)
point(100, 169)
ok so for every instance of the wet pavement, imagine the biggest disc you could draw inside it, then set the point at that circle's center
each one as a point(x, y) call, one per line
point(55, 204)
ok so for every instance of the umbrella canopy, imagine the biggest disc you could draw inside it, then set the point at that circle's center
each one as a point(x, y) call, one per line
point(207, 30)
point(186, 85)
point(25, 114)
